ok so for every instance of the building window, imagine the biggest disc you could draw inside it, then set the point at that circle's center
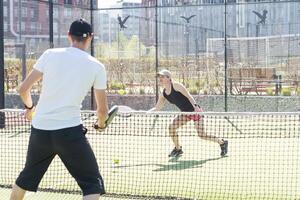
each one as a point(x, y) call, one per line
point(5, 26)
point(23, 26)
point(55, 13)
point(16, 12)
point(5, 11)
point(24, 12)
point(68, 1)
point(241, 15)
point(32, 26)
point(39, 28)
point(32, 13)
point(67, 12)
point(55, 27)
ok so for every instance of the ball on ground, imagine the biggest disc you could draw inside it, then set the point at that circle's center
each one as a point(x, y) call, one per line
point(116, 161)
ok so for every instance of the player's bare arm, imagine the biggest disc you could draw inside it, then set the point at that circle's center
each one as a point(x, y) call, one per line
point(24, 91)
point(102, 109)
point(160, 103)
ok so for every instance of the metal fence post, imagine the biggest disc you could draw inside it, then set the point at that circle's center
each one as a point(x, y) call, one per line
point(92, 49)
point(156, 51)
point(225, 56)
point(51, 43)
point(2, 95)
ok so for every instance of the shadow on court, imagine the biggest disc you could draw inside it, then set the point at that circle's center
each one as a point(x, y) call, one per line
point(175, 164)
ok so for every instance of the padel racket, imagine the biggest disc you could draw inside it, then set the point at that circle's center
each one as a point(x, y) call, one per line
point(125, 111)
point(154, 123)
point(233, 125)
point(111, 114)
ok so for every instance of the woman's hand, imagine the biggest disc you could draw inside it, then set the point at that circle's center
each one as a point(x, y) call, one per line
point(198, 108)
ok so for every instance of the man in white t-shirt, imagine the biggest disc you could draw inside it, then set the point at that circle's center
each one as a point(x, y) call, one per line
point(67, 76)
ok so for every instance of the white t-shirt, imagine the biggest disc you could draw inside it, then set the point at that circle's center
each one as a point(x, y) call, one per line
point(68, 75)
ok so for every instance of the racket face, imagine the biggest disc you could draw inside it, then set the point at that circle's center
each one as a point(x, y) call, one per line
point(111, 114)
point(154, 123)
point(125, 111)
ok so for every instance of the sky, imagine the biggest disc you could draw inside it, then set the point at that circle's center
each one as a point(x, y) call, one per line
point(109, 3)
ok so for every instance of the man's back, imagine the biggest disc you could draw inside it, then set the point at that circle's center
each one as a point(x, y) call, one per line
point(68, 75)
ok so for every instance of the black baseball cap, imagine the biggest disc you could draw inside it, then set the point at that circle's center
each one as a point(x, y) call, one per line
point(81, 28)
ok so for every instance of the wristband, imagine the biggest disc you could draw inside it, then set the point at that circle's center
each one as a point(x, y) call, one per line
point(28, 108)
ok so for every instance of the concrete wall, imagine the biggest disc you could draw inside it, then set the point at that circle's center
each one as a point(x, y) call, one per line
point(209, 103)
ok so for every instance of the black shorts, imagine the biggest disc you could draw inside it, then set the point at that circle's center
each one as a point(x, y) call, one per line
point(73, 148)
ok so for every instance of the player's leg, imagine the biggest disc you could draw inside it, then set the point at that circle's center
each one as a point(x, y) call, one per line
point(176, 123)
point(17, 193)
point(39, 157)
point(91, 197)
point(77, 155)
point(199, 125)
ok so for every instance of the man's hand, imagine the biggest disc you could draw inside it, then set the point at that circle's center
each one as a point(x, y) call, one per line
point(29, 113)
point(100, 126)
point(102, 109)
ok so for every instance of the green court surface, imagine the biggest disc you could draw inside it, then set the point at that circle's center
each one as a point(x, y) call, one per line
point(263, 161)
point(5, 193)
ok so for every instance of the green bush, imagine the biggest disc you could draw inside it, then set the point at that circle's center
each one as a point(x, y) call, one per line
point(187, 84)
point(130, 91)
point(200, 83)
point(121, 92)
point(270, 91)
point(142, 91)
point(213, 83)
point(193, 90)
point(117, 86)
point(286, 91)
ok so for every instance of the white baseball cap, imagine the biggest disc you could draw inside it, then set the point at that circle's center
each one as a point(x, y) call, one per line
point(164, 72)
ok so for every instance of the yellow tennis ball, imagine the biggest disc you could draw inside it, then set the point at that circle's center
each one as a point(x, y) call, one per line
point(32, 114)
point(116, 161)
point(121, 92)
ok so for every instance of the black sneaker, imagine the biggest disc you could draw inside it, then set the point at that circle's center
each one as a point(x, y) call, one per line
point(224, 148)
point(176, 152)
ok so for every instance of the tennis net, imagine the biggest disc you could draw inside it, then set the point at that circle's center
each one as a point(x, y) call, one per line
point(262, 163)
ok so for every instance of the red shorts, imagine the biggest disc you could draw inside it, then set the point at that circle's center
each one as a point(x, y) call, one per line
point(195, 117)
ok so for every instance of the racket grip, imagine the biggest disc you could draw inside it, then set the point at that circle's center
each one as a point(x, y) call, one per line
point(98, 128)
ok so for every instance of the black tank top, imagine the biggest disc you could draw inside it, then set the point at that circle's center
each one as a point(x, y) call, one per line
point(178, 99)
